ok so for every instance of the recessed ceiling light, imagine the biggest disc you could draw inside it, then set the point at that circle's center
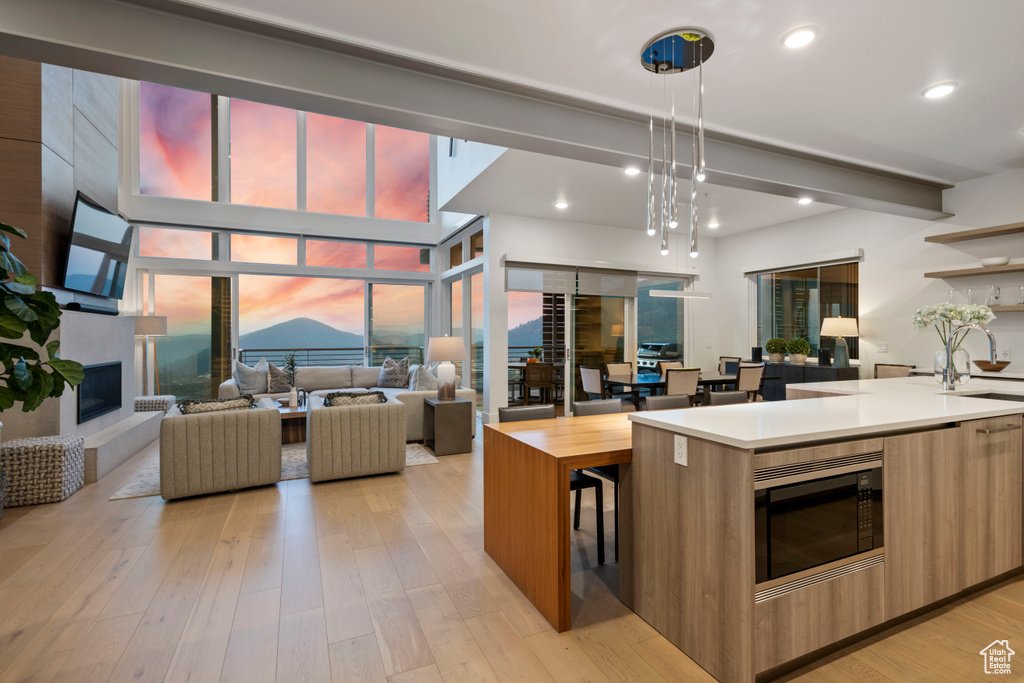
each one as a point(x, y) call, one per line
point(801, 37)
point(712, 225)
point(631, 170)
point(940, 90)
point(562, 204)
point(804, 200)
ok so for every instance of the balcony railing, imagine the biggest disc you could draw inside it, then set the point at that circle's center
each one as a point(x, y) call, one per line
point(352, 355)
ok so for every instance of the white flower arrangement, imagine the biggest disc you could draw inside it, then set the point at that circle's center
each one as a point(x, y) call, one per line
point(947, 317)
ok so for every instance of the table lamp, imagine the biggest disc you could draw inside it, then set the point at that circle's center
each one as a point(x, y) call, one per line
point(839, 328)
point(147, 326)
point(444, 350)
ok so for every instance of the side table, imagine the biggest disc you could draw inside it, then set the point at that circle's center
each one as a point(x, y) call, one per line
point(293, 424)
point(448, 425)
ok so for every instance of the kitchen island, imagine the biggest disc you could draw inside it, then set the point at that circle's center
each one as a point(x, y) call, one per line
point(699, 543)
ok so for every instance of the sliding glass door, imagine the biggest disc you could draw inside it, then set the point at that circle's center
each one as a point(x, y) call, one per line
point(596, 336)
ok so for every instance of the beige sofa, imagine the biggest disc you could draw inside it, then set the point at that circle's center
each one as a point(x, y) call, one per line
point(319, 380)
point(219, 451)
point(355, 440)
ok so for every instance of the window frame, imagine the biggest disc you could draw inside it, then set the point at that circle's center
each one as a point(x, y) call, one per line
point(222, 214)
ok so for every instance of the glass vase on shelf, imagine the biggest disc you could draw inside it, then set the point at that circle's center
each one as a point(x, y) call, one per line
point(961, 366)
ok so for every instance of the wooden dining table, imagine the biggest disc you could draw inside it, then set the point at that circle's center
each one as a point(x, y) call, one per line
point(526, 498)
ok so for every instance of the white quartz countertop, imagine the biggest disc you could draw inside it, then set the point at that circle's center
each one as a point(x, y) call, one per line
point(860, 408)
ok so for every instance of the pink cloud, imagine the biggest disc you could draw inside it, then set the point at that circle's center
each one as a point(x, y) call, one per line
point(263, 155)
point(524, 307)
point(171, 243)
point(335, 254)
point(264, 249)
point(335, 165)
point(266, 300)
point(175, 142)
point(391, 257)
point(402, 178)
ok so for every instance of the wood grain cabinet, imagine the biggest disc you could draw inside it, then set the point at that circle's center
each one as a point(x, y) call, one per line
point(991, 514)
point(923, 549)
point(953, 512)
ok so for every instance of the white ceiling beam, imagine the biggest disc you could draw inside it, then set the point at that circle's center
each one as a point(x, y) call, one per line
point(191, 47)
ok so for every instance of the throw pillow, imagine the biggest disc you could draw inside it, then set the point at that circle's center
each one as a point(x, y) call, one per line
point(352, 398)
point(422, 379)
point(278, 380)
point(191, 406)
point(394, 375)
point(254, 380)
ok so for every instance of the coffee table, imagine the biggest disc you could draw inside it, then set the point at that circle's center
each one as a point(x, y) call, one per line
point(293, 424)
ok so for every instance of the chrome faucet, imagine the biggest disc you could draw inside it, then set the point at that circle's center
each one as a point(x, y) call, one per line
point(948, 381)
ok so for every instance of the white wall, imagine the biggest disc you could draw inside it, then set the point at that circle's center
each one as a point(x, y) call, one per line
point(455, 172)
point(530, 239)
point(892, 285)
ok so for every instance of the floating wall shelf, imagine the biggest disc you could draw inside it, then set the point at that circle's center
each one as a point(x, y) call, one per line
point(1006, 309)
point(980, 233)
point(967, 272)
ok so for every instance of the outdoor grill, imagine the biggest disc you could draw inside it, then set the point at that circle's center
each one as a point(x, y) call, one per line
point(648, 355)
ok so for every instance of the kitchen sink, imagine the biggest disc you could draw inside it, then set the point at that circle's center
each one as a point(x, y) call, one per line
point(994, 395)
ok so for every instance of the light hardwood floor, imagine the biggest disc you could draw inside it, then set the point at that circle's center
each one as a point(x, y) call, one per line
point(375, 579)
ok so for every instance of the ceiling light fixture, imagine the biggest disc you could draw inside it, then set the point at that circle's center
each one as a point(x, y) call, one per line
point(804, 200)
point(562, 204)
point(801, 37)
point(675, 52)
point(631, 170)
point(712, 225)
point(940, 90)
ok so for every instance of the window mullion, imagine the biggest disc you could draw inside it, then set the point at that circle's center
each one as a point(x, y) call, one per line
point(223, 124)
point(300, 161)
point(371, 134)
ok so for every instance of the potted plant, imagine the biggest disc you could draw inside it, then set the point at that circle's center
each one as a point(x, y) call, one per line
point(776, 348)
point(798, 349)
point(289, 367)
point(535, 355)
point(26, 378)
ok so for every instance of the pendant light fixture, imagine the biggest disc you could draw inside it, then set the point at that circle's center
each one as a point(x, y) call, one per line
point(674, 52)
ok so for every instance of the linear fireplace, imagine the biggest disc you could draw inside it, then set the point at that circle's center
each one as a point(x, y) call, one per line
point(100, 391)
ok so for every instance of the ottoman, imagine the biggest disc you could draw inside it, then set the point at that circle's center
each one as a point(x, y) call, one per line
point(44, 469)
point(163, 403)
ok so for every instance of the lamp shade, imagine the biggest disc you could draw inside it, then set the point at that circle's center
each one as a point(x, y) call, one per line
point(839, 327)
point(618, 329)
point(150, 326)
point(446, 348)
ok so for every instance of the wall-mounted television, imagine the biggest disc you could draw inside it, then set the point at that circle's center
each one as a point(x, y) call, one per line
point(98, 250)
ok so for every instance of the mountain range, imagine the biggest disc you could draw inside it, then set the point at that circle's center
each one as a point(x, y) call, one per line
point(300, 333)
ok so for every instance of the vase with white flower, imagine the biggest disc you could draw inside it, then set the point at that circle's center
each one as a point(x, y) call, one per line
point(947, 318)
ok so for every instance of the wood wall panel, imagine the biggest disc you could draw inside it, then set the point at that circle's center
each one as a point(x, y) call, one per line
point(57, 122)
point(96, 98)
point(95, 163)
point(20, 199)
point(19, 106)
point(58, 200)
point(701, 601)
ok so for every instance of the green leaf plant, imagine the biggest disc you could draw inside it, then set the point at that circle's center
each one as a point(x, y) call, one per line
point(28, 377)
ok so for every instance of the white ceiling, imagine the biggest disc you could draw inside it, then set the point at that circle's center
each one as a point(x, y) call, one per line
point(526, 184)
point(853, 94)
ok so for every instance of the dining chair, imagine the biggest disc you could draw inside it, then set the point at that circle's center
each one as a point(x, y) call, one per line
point(606, 406)
point(750, 378)
point(721, 398)
point(617, 370)
point(578, 481)
point(523, 413)
point(668, 402)
point(593, 384)
point(538, 376)
point(665, 365)
point(682, 381)
point(722, 360)
point(883, 370)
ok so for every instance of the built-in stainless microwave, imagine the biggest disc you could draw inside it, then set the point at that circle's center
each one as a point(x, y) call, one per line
point(810, 514)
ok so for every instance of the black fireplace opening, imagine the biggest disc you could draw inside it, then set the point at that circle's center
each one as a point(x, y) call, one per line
point(100, 391)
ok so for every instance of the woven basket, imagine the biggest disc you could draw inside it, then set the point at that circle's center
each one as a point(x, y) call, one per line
point(3, 493)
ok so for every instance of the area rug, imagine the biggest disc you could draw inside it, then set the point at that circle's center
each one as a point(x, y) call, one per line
point(146, 481)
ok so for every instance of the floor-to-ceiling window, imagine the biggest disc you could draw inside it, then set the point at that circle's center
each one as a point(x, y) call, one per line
point(476, 356)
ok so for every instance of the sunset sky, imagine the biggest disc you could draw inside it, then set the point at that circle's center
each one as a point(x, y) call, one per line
point(175, 157)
